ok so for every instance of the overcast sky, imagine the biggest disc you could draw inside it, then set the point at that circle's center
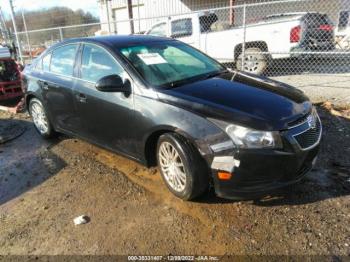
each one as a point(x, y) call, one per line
point(86, 5)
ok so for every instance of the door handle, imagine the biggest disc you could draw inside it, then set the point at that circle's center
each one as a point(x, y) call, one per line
point(44, 85)
point(81, 97)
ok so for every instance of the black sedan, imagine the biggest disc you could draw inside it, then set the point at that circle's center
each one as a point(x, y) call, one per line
point(162, 102)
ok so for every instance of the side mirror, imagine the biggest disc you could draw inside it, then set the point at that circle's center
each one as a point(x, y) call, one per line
point(113, 83)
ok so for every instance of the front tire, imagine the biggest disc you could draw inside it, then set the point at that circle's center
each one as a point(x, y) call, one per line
point(183, 170)
point(40, 118)
point(254, 61)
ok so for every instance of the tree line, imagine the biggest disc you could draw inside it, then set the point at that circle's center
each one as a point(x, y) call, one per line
point(54, 17)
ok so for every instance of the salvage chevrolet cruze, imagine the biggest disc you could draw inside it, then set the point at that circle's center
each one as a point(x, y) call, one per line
point(162, 102)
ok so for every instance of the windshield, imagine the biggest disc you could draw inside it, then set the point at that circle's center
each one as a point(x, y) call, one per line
point(169, 64)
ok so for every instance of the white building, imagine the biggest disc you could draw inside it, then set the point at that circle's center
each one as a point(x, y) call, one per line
point(145, 13)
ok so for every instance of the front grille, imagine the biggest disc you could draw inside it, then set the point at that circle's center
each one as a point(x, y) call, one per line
point(311, 136)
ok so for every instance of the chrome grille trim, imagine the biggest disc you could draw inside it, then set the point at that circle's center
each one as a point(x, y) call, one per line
point(302, 120)
point(319, 135)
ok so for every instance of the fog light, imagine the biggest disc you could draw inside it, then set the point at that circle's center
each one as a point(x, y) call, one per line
point(224, 175)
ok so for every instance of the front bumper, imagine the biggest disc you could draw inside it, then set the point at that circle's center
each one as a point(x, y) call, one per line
point(256, 172)
point(260, 173)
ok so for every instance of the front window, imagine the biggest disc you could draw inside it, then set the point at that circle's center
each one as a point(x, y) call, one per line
point(168, 64)
point(97, 63)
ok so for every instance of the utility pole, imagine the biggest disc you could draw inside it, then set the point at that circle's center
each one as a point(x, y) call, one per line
point(5, 32)
point(27, 35)
point(12, 12)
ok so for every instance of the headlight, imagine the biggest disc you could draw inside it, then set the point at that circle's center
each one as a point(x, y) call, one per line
point(244, 137)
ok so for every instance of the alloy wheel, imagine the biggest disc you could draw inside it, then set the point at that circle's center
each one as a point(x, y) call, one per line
point(39, 118)
point(172, 166)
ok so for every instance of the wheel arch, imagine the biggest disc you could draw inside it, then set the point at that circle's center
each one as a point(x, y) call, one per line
point(29, 97)
point(257, 44)
point(150, 144)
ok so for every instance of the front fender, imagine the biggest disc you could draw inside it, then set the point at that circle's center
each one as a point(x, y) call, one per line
point(157, 117)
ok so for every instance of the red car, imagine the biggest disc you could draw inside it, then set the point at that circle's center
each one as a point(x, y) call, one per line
point(10, 78)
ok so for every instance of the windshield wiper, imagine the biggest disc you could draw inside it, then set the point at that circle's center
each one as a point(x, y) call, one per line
point(179, 83)
point(195, 78)
point(215, 73)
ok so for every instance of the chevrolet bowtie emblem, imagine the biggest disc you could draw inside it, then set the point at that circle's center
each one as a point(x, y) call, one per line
point(311, 120)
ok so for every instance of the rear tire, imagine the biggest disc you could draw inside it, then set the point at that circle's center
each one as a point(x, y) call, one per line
point(253, 63)
point(183, 170)
point(41, 121)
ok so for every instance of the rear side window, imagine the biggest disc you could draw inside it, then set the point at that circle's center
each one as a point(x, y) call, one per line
point(181, 28)
point(98, 63)
point(62, 60)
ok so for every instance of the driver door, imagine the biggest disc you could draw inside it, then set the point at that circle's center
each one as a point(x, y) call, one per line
point(108, 116)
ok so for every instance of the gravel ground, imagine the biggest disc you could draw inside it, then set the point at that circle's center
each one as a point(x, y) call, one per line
point(44, 185)
point(325, 87)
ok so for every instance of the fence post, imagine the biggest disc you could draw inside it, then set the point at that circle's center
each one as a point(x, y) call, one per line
point(27, 35)
point(244, 34)
point(139, 15)
point(61, 33)
point(108, 17)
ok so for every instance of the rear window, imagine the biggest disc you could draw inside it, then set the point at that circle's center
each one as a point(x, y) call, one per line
point(206, 22)
point(317, 19)
point(8, 71)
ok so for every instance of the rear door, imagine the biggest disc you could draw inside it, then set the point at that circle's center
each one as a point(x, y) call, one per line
point(108, 116)
point(318, 32)
point(56, 80)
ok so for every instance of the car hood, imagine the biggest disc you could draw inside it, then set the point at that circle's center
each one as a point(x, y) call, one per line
point(242, 98)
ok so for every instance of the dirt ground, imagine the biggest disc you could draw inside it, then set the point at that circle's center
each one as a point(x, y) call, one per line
point(44, 185)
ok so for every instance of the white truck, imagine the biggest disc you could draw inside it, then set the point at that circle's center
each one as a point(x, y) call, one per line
point(272, 37)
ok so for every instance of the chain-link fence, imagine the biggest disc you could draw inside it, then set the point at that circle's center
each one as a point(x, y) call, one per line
point(274, 38)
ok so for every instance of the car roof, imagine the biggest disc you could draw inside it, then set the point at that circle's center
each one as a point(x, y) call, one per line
point(117, 40)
